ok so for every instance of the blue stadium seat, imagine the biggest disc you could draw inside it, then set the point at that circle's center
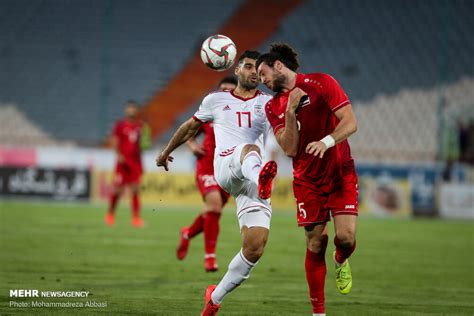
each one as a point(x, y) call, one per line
point(71, 65)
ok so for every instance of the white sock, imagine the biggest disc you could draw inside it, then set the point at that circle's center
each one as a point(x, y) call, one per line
point(314, 314)
point(251, 166)
point(238, 272)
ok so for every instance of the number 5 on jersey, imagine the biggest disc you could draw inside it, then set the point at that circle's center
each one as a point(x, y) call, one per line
point(301, 210)
point(240, 115)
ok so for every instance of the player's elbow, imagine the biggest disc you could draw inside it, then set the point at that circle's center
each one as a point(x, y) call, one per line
point(353, 127)
point(291, 152)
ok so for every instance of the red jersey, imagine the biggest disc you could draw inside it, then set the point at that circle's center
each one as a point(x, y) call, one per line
point(205, 164)
point(315, 120)
point(128, 136)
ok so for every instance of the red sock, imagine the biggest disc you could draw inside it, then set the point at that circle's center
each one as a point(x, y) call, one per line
point(196, 227)
point(211, 231)
point(114, 197)
point(343, 251)
point(135, 205)
point(315, 266)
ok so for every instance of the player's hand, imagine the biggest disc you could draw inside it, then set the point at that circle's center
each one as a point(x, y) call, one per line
point(294, 99)
point(162, 160)
point(198, 150)
point(316, 149)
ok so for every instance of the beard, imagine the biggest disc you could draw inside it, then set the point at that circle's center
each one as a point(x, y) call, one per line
point(247, 84)
point(278, 82)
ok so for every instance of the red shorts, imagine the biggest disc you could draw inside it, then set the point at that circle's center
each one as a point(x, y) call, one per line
point(127, 174)
point(314, 206)
point(206, 183)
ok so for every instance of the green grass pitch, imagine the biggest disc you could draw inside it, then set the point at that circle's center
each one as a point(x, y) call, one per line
point(400, 267)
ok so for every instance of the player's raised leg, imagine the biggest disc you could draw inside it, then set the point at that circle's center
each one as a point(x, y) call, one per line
point(345, 226)
point(315, 265)
point(252, 169)
point(254, 239)
point(251, 162)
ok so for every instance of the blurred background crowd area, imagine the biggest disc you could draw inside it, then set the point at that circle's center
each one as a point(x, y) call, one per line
point(67, 67)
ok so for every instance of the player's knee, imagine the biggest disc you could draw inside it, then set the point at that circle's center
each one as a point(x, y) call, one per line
point(254, 252)
point(247, 149)
point(317, 244)
point(251, 147)
point(117, 190)
point(213, 204)
point(213, 209)
point(346, 237)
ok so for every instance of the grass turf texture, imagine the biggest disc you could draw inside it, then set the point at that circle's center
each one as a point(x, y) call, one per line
point(400, 267)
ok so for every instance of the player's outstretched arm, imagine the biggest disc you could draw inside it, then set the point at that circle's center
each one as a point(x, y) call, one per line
point(346, 126)
point(288, 137)
point(187, 130)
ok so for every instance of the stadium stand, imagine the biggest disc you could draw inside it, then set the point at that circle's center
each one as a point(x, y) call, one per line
point(398, 78)
point(402, 127)
point(418, 44)
point(16, 129)
point(71, 65)
point(78, 72)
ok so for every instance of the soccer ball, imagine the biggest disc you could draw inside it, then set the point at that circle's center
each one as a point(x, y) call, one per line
point(218, 52)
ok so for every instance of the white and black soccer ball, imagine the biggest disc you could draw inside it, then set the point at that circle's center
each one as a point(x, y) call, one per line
point(218, 52)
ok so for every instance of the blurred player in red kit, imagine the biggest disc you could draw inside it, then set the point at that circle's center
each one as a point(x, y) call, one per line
point(312, 118)
point(213, 196)
point(129, 137)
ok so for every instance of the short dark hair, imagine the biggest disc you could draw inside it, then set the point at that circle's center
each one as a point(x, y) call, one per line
point(228, 79)
point(282, 52)
point(252, 54)
point(132, 102)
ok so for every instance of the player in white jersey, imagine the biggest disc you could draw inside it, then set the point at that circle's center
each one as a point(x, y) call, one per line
point(239, 120)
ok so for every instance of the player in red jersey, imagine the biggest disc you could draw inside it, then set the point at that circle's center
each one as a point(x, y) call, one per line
point(213, 195)
point(312, 118)
point(128, 142)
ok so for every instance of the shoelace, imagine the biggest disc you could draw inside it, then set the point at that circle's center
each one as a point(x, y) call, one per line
point(342, 274)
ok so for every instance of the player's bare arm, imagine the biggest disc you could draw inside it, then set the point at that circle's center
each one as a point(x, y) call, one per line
point(288, 136)
point(346, 127)
point(187, 130)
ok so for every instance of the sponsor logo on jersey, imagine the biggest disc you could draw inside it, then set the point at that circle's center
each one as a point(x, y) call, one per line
point(350, 206)
point(282, 115)
point(226, 108)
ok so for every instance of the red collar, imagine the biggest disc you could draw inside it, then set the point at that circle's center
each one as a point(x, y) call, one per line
point(257, 92)
point(299, 79)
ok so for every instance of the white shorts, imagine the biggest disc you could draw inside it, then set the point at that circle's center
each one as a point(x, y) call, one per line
point(255, 217)
point(228, 174)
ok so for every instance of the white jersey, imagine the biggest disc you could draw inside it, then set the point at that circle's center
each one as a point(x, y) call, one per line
point(236, 120)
